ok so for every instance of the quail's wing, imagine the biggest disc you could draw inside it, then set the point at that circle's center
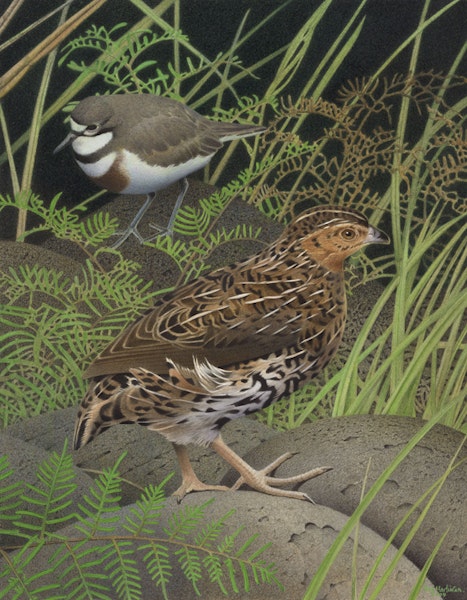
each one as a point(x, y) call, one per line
point(223, 317)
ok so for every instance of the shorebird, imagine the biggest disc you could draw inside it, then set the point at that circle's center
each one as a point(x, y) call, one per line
point(142, 143)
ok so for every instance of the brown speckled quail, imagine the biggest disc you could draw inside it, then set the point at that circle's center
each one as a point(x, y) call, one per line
point(230, 343)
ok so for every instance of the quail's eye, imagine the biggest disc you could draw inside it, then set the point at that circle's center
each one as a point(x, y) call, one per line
point(348, 234)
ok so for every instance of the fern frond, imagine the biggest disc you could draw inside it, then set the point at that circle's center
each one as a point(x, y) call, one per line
point(193, 221)
point(102, 503)
point(158, 565)
point(96, 229)
point(122, 570)
point(178, 250)
point(209, 534)
point(241, 232)
point(19, 580)
point(29, 280)
point(78, 567)
point(52, 497)
point(215, 570)
point(96, 561)
point(228, 542)
point(95, 38)
point(143, 518)
point(186, 520)
point(190, 563)
point(10, 496)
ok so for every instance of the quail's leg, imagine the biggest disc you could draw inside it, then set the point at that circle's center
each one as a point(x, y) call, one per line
point(132, 228)
point(190, 482)
point(259, 480)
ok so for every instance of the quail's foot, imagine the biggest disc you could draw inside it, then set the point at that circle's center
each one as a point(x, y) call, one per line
point(190, 481)
point(260, 480)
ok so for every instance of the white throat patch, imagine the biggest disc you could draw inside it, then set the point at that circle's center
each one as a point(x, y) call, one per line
point(85, 145)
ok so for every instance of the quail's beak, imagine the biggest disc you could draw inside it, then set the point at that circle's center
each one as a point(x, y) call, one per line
point(375, 236)
point(66, 142)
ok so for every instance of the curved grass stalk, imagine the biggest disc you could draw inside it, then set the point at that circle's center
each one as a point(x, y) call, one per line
point(349, 399)
point(423, 503)
point(332, 60)
point(9, 152)
point(8, 15)
point(29, 162)
point(19, 70)
point(426, 23)
point(295, 55)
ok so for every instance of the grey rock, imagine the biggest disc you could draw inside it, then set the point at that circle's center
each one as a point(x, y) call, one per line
point(21, 254)
point(359, 448)
point(300, 535)
point(15, 254)
point(149, 456)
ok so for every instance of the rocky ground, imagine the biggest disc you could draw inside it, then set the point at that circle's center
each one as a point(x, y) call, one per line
point(358, 448)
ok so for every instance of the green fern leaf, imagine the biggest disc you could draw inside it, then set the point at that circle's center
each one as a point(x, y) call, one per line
point(19, 580)
point(145, 516)
point(102, 503)
point(186, 520)
point(83, 579)
point(209, 534)
point(97, 229)
point(121, 566)
point(157, 561)
point(10, 494)
point(52, 497)
point(214, 568)
point(190, 563)
point(230, 565)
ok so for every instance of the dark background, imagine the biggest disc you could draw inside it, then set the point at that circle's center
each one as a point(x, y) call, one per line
point(211, 25)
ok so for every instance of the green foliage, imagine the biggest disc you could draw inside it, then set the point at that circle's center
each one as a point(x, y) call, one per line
point(102, 553)
point(360, 155)
point(419, 362)
point(129, 71)
point(52, 326)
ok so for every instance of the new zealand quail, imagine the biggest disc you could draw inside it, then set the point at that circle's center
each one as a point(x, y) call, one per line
point(230, 343)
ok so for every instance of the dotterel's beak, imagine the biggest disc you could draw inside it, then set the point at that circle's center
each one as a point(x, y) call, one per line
point(375, 236)
point(66, 142)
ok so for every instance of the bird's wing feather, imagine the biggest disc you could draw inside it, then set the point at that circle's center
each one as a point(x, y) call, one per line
point(179, 135)
point(223, 320)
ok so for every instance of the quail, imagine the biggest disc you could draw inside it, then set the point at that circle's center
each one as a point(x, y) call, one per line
point(230, 343)
point(142, 143)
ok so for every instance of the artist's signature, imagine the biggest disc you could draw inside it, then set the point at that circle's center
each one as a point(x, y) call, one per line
point(443, 590)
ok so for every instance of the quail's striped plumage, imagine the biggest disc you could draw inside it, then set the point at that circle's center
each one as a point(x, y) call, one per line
point(142, 143)
point(230, 343)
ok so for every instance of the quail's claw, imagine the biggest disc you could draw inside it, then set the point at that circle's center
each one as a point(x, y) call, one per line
point(259, 480)
point(195, 485)
point(190, 481)
point(265, 471)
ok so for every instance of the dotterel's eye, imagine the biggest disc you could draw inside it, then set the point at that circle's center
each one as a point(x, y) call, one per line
point(92, 129)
